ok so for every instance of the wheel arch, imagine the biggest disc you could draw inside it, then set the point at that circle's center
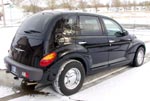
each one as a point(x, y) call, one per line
point(143, 48)
point(81, 57)
point(76, 52)
point(51, 72)
point(83, 63)
point(134, 63)
point(135, 45)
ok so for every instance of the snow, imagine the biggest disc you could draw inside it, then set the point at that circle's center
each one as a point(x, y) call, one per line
point(5, 91)
point(52, 96)
point(42, 98)
point(130, 85)
point(5, 41)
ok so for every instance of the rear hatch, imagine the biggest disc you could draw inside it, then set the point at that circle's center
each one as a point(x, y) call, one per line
point(28, 44)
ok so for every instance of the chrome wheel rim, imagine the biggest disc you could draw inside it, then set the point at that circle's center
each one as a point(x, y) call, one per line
point(72, 78)
point(140, 57)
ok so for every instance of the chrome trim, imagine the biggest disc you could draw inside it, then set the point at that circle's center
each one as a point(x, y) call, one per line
point(109, 62)
point(140, 57)
point(72, 78)
point(82, 43)
point(111, 41)
point(18, 49)
point(100, 64)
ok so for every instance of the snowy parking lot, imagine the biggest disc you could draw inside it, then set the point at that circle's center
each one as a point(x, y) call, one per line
point(117, 84)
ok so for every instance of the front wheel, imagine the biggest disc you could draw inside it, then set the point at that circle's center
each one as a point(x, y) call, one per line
point(69, 78)
point(139, 57)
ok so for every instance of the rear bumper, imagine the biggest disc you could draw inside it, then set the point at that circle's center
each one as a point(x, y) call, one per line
point(35, 74)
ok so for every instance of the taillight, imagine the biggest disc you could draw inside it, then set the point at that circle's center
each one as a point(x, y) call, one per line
point(25, 74)
point(48, 59)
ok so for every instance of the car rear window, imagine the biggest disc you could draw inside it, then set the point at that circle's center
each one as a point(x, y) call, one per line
point(35, 24)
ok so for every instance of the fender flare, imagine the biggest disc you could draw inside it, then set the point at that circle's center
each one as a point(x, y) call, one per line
point(135, 45)
point(51, 72)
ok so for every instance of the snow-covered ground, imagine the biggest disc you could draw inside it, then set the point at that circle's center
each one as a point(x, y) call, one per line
point(131, 85)
point(7, 35)
point(130, 17)
point(127, 86)
point(5, 91)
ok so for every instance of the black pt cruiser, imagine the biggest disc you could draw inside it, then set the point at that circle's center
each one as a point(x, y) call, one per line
point(61, 48)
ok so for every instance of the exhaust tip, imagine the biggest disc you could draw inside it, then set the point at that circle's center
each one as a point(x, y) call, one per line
point(16, 78)
point(7, 71)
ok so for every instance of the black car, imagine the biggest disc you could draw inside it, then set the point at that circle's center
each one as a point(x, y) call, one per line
point(61, 48)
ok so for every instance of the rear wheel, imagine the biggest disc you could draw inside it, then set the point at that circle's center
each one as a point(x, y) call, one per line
point(139, 57)
point(69, 78)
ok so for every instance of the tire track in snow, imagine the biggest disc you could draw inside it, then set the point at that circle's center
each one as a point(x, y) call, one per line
point(22, 93)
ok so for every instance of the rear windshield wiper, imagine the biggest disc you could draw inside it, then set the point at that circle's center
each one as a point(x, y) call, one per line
point(32, 31)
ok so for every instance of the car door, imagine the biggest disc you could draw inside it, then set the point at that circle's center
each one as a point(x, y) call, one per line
point(118, 41)
point(91, 37)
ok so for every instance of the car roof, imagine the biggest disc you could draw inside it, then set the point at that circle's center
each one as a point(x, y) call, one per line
point(72, 12)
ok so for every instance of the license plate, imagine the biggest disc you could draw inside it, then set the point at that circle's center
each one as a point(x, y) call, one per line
point(13, 69)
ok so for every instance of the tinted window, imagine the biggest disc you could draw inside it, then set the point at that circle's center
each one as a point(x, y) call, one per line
point(35, 24)
point(111, 27)
point(64, 30)
point(66, 26)
point(89, 25)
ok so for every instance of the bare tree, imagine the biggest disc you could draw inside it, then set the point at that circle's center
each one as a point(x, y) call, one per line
point(51, 4)
point(82, 4)
point(134, 4)
point(34, 6)
point(147, 4)
point(116, 3)
point(96, 4)
point(125, 4)
point(68, 4)
point(17, 2)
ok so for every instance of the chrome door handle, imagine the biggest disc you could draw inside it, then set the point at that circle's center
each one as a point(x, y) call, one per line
point(82, 42)
point(129, 39)
point(111, 41)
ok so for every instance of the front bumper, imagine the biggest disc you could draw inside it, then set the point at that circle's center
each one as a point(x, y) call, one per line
point(35, 74)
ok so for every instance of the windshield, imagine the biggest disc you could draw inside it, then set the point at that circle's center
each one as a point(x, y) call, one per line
point(35, 24)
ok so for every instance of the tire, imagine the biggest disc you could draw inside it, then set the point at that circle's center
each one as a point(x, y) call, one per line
point(26, 87)
point(70, 78)
point(139, 57)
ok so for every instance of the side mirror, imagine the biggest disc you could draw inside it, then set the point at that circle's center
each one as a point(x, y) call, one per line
point(125, 33)
point(121, 34)
point(118, 34)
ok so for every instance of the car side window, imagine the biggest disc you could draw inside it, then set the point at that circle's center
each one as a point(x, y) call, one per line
point(69, 26)
point(111, 27)
point(66, 26)
point(64, 30)
point(89, 25)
